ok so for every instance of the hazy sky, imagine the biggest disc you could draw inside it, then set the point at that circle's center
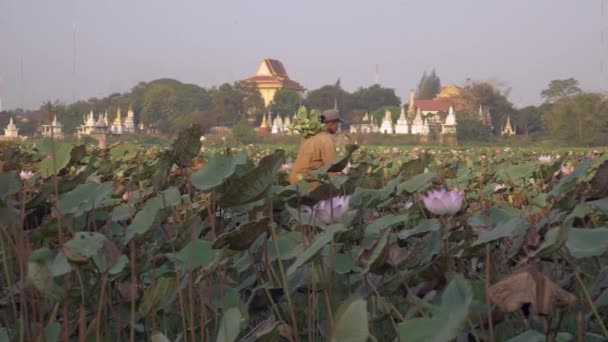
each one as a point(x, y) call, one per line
point(525, 43)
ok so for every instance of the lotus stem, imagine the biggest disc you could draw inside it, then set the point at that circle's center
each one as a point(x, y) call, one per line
point(488, 303)
point(598, 318)
point(285, 285)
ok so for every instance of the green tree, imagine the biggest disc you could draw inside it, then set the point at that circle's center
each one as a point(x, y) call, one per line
point(429, 86)
point(326, 96)
point(228, 102)
point(378, 114)
point(372, 98)
point(243, 133)
point(470, 128)
point(491, 98)
point(285, 102)
point(580, 119)
point(559, 89)
point(159, 106)
point(252, 101)
point(528, 120)
point(184, 121)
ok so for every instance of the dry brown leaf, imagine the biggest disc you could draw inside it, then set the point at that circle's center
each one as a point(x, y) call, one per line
point(529, 287)
point(396, 254)
point(125, 287)
point(366, 253)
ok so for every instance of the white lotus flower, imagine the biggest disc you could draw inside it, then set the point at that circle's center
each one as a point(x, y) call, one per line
point(545, 159)
point(26, 175)
point(322, 211)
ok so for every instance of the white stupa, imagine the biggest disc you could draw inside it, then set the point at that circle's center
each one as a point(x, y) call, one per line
point(402, 126)
point(449, 127)
point(11, 131)
point(387, 124)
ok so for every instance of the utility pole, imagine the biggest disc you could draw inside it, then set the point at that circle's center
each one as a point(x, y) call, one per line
point(73, 63)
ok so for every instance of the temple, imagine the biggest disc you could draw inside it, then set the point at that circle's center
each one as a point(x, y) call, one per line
point(271, 76)
point(508, 129)
point(55, 129)
point(11, 131)
point(102, 125)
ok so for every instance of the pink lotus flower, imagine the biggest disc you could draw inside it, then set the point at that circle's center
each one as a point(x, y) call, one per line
point(26, 175)
point(287, 167)
point(126, 196)
point(564, 170)
point(499, 186)
point(441, 202)
point(322, 211)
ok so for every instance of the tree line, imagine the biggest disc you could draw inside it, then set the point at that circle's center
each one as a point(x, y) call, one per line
point(568, 114)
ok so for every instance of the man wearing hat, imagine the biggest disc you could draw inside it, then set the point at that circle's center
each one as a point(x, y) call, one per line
point(317, 150)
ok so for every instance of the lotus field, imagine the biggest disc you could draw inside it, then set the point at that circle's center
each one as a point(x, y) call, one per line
point(153, 243)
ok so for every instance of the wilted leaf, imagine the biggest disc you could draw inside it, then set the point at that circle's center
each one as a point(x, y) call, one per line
point(529, 287)
point(351, 322)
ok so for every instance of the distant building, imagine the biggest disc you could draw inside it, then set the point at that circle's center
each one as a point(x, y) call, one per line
point(102, 125)
point(387, 123)
point(508, 129)
point(11, 131)
point(55, 128)
point(271, 76)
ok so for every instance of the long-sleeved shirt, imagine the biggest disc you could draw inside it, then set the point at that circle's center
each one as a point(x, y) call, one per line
point(314, 152)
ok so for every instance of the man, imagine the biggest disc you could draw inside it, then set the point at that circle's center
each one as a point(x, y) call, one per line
point(317, 150)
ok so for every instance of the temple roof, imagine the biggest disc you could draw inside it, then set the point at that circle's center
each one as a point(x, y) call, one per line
point(271, 72)
point(450, 91)
point(434, 105)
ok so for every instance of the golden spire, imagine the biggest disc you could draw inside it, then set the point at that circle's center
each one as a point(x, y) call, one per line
point(263, 125)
